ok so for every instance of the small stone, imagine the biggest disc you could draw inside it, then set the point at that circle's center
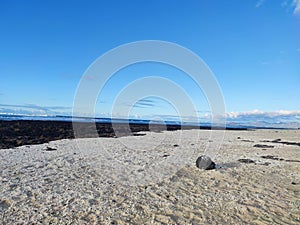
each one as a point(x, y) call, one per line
point(50, 149)
point(204, 162)
point(271, 157)
point(4, 204)
point(294, 183)
point(263, 146)
point(246, 160)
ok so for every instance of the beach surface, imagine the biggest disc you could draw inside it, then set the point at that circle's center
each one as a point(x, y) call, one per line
point(151, 178)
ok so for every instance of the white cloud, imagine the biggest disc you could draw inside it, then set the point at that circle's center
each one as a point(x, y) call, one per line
point(260, 113)
point(259, 3)
point(296, 4)
point(31, 109)
point(258, 118)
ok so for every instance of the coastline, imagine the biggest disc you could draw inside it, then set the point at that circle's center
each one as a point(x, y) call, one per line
point(16, 133)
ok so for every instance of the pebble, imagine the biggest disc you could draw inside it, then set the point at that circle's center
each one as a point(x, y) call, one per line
point(246, 160)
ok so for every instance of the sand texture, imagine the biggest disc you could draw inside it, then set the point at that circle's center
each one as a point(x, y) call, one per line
point(152, 179)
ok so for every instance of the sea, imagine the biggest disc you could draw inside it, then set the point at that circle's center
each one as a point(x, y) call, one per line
point(9, 117)
point(14, 117)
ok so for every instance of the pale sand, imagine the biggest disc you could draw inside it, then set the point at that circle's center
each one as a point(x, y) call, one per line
point(128, 181)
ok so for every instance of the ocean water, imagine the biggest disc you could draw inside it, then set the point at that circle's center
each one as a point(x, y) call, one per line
point(229, 125)
point(7, 117)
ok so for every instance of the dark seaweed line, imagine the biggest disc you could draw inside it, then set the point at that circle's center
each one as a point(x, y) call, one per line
point(278, 141)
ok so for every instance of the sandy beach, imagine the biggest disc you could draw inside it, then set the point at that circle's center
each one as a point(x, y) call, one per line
point(150, 112)
point(152, 179)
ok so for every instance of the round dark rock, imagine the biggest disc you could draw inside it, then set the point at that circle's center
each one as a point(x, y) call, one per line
point(204, 162)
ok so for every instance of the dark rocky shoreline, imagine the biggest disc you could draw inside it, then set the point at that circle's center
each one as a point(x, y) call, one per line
point(27, 132)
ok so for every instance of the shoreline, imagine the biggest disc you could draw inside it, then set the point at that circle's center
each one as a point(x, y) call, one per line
point(16, 133)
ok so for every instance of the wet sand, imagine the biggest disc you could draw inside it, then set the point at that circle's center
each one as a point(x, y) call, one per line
point(152, 179)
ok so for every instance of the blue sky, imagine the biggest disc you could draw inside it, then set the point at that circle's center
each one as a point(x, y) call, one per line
point(253, 49)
